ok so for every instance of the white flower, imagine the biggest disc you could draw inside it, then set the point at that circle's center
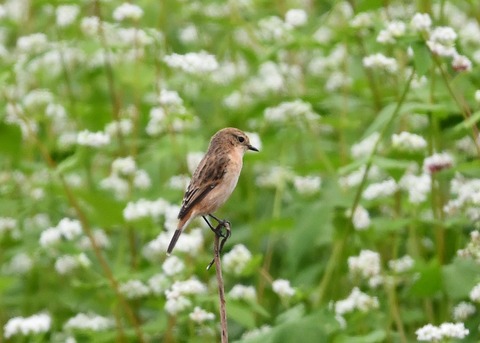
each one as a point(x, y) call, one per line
point(417, 187)
point(402, 264)
point(433, 333)
point(127, 11)
point(169, 98)
point(7, 224)
point(66, 264)
point(475, 294)
point(177, 304)
point(360, 219)
point(256, 332)
point(66, 14)
point(176, 295)
point(365, 147)
point(307, 184)
point(124, 126)
point(361, 21)
point(477, 95)
point(394, 29)
point(296, 17)
point(437, 162)
point(463, 310)
point(179, 182)
point(93, 139)
point(282, 288)
point(429, 333)
point(116, 184)
point(100, 238)
point(141, 179)
point(20, 264)
point(124, 166)
point(421, 22)
point(444, 35)
point(243, 292)
point(273, 29)
point(199, 315)
point(454, 330)
point(380, 189)
point(33, 43)
point(173, 265)
point(354, 178)
point(291, 110)
point(37, 323)
point(380, 61)
point(367, 264)
point(406, 141)
point(158, 283)
point(357, 300)
point(134, 289)
point(461, 63)
point(88, 321)
point(145, 208)
point(237, 259)
point(193, 160)
point(196, 63)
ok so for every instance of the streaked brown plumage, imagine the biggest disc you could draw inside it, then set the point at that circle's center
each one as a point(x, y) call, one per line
point(214, 179)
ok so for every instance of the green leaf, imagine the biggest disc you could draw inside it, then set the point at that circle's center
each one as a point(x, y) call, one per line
point(101, 207)
point(460, 277)
point(241, 313)
point(10, 140)
point(429, 281)
point(390, 163)
point(373, 337)
point(468, 123)
point(422, 58)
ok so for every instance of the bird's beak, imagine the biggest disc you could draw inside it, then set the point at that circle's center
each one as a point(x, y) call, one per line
point(251, 147)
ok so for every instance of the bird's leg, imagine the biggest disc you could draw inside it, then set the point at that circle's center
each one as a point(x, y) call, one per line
point(218, 231)
point(221, 224)
point(209, 225)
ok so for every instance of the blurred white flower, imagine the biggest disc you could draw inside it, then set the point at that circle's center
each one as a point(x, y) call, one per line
point(475, 293)
point(88, 321)
point(20, 264)
point(237, 259)
point(437, 162)
point(66, 264)
point(463, 311)
point(295, 110)
point(380, 189)
point(143, 208)
point(461, 63)
point(158, 283)
point(127, 11)
point(35, 324)
point(173, 265)
point(33, 43)
point(124, 165)
point(365, 147)
point(354, 178)
point(93, 139)
point(406, 141)
point(401, 265)
point(179, 182)
point(256, 332)
point(418, 187)
point(188, 34)
point(282, 288)
point(196, 63)
point(431, 333)
point(296, 17)
point(307, 185)
point(67, 228)
point(367, 264)
point(66, 14)
point(362, 20)
point(99, 236)
point(477, 95)
point(7, 224)
point(357, 300)
point(176, 295)
point(134, 289)
point(90, 25)
point(193, 160)
point(243, 292)
point(124, 126)
point(442, 41)
point(393, 30)
point(360, 219)
point(421, 22)
point(381, 62)
point(199, 315)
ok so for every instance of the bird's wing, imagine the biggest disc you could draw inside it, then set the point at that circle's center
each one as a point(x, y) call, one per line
point(207, 176)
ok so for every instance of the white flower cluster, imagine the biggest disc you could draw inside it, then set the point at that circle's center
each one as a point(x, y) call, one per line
point(360, 219)
point(123, 170)
point(33, 43)
point(367, 265)
point(66, 15)
point(365, 147)
point(432, 333)
point(100, 238)
point(307, 185)
point(274, 177)
point(394, 29)
point(354, 178)
point(189, 243)
point(93, 139)
point(437, 162)
point(195, 63)
point(89, 321)
point(66, 264)
point(297, 110)
point(472, 250)
point(159, 283)
point(380, 189)
point(273, 29)
point(296, 17)
point(67, 229)
point(357, 300)
point(127, 11)
point(463, 311)
point(172, 266)
point(199, 315)
point(38, 323)
point(475, 293)
point(282, 288)
point(418, 187)
point(247, 293)
point(143, 208)
point(442, 41)
point(134, 289)
point(381, 62)
point(401, 265)
point(177, 300)
point(20, 264)
point(421, 22)
point(467, 193)
point(124, 126)
point(7, 224)
point(236, 260)
point(256, 332)
point(406, 141)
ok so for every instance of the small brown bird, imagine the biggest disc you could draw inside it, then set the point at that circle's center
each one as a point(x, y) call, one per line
point(214, 179)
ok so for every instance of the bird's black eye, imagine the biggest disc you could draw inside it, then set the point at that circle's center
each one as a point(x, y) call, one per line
point(241, 139)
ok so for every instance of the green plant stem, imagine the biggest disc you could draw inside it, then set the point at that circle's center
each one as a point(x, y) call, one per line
point(336, 255)
point(395, 310)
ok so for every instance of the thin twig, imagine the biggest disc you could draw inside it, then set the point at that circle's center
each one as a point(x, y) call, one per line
point(221, 291)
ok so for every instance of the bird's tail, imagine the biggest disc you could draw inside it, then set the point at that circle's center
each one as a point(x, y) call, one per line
point(176, 235)
point(174, 240)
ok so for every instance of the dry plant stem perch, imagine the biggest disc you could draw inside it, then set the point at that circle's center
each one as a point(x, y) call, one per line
point(217, 246)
